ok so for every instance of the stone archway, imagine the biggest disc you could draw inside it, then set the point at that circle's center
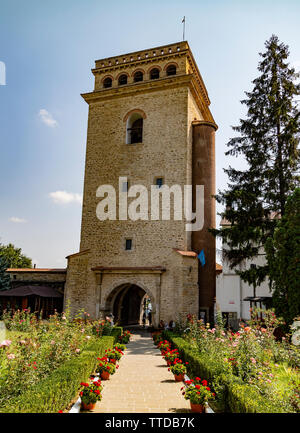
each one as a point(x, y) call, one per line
point(126, 303)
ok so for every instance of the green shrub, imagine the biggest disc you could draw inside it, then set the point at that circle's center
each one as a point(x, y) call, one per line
point(56, 391)
point(117, 331)
point(234, 395)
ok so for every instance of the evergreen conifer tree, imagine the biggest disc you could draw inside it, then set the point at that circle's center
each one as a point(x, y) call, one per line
point(283, 256)
point(268, 140)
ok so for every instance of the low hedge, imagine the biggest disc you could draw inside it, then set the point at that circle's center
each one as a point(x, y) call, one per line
point(235, 395)
point(117, 331)
point(57, 390)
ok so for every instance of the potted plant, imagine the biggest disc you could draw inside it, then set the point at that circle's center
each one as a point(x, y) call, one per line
point(90, 394)
point(179, 370)
point(114, 355)
point(170, 356)
point(119, 346)
point(124, 337)
point(198, 393)
point(164, 346)
point(105, 368)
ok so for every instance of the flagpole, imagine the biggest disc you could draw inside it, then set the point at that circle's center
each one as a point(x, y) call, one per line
point(183, 34)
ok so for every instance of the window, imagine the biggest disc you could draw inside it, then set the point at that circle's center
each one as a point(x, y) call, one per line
point(154, 74)
point(122, 79)
point(171, 70)
point(159, 182)
point(107, 82)
point(134, 129)
point(138, 76)
point(128, 244)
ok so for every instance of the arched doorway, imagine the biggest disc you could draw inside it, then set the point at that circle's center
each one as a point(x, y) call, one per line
point(127, 306)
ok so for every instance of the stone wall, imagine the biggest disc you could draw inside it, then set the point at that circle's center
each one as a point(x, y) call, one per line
point(169, 105)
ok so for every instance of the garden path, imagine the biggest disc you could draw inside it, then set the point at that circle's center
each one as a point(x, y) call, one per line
point(142, 383)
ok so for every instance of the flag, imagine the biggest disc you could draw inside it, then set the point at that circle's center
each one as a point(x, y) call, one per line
point(201, 257)
point(183, 20)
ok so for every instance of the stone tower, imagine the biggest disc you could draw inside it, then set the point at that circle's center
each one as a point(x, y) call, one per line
point(149, 123)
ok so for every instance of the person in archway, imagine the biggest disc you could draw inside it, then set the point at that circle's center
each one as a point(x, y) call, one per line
point(150, 318)
point(144, 319)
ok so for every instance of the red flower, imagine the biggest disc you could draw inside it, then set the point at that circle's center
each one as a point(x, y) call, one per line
point(208, 388)
point(197, 386)
point(204, 382)
point(198, 378)
point(60, 411)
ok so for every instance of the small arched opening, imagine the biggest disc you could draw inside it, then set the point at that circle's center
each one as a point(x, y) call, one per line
point(134, 129)
point(138, 76)
point(171, 70)
point(154, 74)
point(122, 79)
point(107, 82)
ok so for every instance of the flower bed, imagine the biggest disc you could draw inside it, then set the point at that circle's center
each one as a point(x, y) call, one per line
point(249, 371)
point(56, 391)
point(50, 354)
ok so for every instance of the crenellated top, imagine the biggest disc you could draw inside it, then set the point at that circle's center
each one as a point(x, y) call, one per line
point(140, 71)
point(143, 56)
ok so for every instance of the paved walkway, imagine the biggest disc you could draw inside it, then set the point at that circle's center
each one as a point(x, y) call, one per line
point(142, 383)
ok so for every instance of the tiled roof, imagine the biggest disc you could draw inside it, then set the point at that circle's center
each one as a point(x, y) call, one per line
point(53, 270)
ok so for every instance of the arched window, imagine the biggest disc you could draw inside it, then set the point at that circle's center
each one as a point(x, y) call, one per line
point(138, 76)
point(154, 74)
point(171, 70)
point(134, 129)
point(107, 82)
point(122, 79)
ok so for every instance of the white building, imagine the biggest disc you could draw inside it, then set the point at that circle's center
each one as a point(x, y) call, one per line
point(234, 297)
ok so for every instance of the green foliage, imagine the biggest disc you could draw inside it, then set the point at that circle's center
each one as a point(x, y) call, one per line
point(267, 139)
point(178, 369)
point(4, 276)
point(124, 338)
point(13, 257)
point(232, 391)
point(116, 332)
point(91, 392)
point(56, 391)
point(119, 346)
point(283, 253)
point(198, 391)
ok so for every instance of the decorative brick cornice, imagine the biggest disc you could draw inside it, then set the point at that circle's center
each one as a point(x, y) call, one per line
point(136, 59)
point(145, 86)
point(129, 269)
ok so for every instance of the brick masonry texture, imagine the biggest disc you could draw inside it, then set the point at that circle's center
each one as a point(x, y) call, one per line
point(170, 105)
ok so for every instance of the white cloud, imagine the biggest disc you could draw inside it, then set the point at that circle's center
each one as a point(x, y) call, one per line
point(64, 197)
point(17, 220)
point(47, 118)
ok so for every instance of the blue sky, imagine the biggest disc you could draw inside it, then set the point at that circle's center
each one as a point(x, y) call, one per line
point(49, 48)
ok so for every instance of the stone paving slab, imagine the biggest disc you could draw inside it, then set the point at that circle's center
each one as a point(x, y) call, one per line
point(142, 384)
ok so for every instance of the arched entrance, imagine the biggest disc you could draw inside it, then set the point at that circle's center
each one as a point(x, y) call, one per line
point(127, 305)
